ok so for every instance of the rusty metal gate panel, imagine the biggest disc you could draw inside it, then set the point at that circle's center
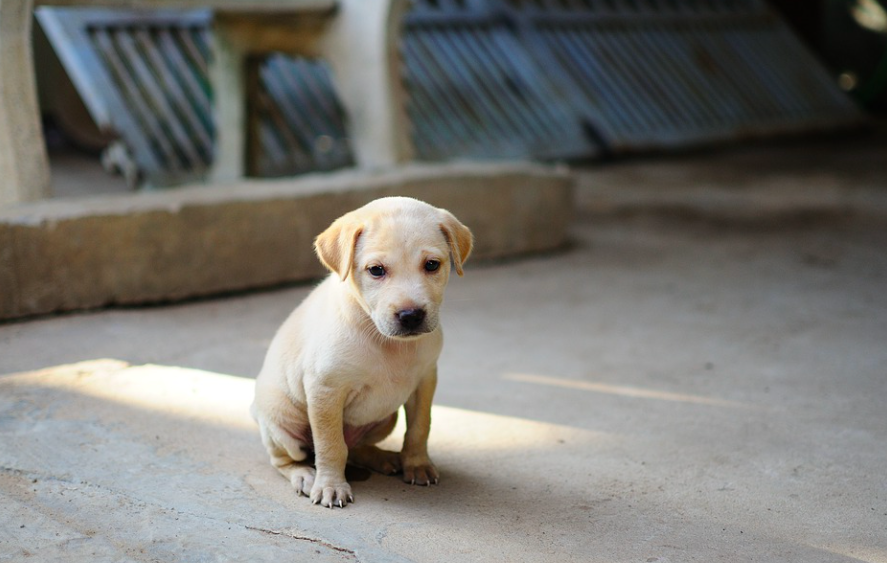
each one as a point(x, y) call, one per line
point(475, 91)
point(143, 76)
point(581, 77)
point(297, 123)
point(541, 79)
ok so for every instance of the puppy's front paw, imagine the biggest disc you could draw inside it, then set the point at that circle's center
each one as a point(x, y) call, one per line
point(419, 471)
point(300, 476)
point(331, 492)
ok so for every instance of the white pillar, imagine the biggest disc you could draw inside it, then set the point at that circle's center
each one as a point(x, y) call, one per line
point(227, 73)
point(24, 165)
point(361, 46)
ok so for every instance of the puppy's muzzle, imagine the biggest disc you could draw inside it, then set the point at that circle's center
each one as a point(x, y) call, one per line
point(411, 321)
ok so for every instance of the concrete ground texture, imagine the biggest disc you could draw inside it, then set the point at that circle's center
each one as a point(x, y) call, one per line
point(700, 376)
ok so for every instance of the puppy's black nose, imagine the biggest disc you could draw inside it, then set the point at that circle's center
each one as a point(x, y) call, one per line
point(411, 319)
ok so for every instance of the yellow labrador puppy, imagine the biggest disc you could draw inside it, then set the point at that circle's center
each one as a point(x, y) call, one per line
point(363, 343)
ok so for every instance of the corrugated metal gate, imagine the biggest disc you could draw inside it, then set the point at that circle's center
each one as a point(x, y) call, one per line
point(568, 78)
point(144, 77)
point(475, 90)
point(298, 123)
point(540, 79)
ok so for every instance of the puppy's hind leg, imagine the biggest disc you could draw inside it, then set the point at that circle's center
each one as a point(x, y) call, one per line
point(366, 454)
point(288, 455)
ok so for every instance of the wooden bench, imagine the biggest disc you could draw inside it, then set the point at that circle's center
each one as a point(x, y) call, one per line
point(358, 38)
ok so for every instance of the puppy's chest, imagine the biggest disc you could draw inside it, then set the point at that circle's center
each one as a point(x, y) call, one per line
point(380, 387)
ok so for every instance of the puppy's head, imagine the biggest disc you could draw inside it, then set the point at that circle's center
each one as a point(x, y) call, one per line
point(397, 253)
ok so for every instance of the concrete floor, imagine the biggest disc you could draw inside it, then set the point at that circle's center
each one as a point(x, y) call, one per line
point(701, 377)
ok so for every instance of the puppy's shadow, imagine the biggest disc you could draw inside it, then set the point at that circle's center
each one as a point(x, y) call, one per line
point(355, 474)
point(458, 488)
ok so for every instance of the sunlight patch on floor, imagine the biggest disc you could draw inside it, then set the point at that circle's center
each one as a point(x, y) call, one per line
point(863, 554)
point(183, 393)
point(472, 432)
point(623, 391)
point(215, 399)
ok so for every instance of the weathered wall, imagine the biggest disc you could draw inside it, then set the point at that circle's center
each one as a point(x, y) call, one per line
point(24, 169)
point(73, 254)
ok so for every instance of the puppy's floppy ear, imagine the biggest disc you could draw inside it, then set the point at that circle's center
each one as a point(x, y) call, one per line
point(459, 239)
point(336, 246)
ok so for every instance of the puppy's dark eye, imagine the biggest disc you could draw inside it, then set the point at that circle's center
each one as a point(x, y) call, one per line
point(432, 265)
point(376, 271)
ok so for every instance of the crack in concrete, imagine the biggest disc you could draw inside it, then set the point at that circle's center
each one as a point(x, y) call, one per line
point(317, 541)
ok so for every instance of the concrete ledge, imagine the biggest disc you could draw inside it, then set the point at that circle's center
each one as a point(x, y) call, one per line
point(63, 255)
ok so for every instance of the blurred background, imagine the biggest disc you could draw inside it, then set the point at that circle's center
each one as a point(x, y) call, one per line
point(547, 80)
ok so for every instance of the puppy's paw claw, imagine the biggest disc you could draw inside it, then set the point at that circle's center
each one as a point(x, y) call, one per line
point(301, 478)
point(423, 473)
point(332, 495)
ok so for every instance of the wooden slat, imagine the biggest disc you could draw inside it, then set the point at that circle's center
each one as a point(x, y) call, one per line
point(137, 104)
point(196, 92)
point(180, 107)
point(234, 6)
point(162, 110)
